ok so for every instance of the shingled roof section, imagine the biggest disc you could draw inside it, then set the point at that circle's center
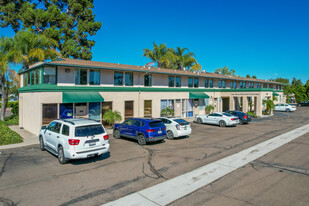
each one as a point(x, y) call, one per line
point(88, 63)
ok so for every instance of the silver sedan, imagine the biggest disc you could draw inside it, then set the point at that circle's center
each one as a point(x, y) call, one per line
point(217, 118)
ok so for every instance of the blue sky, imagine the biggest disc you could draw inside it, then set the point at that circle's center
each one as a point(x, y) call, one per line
point(268, 39)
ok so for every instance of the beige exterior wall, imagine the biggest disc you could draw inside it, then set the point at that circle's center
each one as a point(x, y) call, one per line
point(66, 78)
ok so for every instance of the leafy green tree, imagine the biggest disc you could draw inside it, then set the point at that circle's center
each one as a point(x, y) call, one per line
point(281, 80)
point(299, 90)
point(269, 105)
point(166, 112)
point(253, 77)
point(187, 60)
point(209, 108)
point(225, 71)
point(111, 117)
point(248, 76)
point(307, 89)
point(69, 22)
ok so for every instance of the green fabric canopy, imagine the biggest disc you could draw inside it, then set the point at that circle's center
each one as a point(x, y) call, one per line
point(79, 97)
point(275, 94)
point(198, 95)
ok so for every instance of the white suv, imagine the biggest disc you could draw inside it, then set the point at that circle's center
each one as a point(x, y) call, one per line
point(176, 127)
point(74, 139)
point(285, 107)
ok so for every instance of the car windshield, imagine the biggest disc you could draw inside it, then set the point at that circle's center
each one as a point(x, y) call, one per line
point(226, 114)
point(156, 124)
point(89, 130)
point(181, 121)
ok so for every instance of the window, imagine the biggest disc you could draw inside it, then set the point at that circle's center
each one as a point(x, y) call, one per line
point(29, 78)
point(223, 83)
point(81, 76)
point(147, 108)
point(147, 80)
point(94, 77)
point(129, 79)
point(206, 83)
point(49, 113)
point(66, 130)
point(32, 77)
point(167, 108)
point(235, 85)
point(118, 78)
point(36, 76)
point(244, 84)
point(49, 75)
point(190, 82)
point(57, 127)
point(171, 81)
point(219, 83)
point(66, 110)
point(128, 112)
point(25, 79)
point(196, 82)
point(178, 81)
point(51, 126)
point(231, 85)
point(240, 84)
point(89, 130)
point(94, 110)
point(211, 83)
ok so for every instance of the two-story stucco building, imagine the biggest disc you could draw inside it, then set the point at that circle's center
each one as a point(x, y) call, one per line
point(77, 88)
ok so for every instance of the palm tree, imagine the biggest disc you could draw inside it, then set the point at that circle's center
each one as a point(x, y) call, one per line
point(185, 60)
point(167, 112)
point(111, 117)
point(225, 71)
point(161, 55)
point(269, 105)
point(30, 48)
point(209, 109)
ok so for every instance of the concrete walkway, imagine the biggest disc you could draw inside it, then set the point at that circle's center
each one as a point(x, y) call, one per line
point(28, 138)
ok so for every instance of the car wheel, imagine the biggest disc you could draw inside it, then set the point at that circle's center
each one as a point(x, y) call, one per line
point(42, 147)
point(61, 157)
point(287, 110)
point(116, 134)
point(199, 121)
point(241, 122)
point(170, 135)
point(141, 139)
point(222, 123)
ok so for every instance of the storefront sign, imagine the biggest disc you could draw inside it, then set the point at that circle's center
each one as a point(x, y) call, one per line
point(246, 94)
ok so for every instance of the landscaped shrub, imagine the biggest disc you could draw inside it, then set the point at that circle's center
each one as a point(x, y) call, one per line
point(7, 136)
point(11, 120)
point(15, 108)
point(252, 114)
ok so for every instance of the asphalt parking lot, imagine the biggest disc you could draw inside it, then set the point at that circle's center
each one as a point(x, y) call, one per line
point(29, 176)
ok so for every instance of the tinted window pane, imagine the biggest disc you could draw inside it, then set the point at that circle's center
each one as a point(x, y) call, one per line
point(196, 82)
point(51, 126)
point(223, 83)
point(81, 76)
point(32, 77)
point(171, 81)
point(66, 130)
point(129, 79)
point(219, 83)
point(66, 111)
point(178, 81)
point(156, 124)
point(211, 83)
point(181, 121)
point(147, 108)
point(94, 77)
point(226, 114)
point(118, 78)
point(36, 76)
point(206, 83)
point(190, 82)
point(147, 80)
point(57, 128)
point(49, 75)
point(49, 113)
point(89, 130)
point(94, 110)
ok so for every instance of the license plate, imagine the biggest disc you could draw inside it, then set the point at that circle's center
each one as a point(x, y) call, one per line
point(92, 144)
point(159, 132)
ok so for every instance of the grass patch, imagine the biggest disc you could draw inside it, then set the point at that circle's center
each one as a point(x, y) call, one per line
point(11, 120)
point(7, 136)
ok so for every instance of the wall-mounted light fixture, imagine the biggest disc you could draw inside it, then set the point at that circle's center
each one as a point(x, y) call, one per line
point(67, 70)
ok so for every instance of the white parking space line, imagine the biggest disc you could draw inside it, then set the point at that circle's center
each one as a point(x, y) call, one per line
point(175, 188)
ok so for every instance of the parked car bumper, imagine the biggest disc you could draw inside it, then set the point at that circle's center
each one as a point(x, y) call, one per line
point(246, 120)
point(181, 133)
point(157, 138)
point(232, 123)
point(72, 154)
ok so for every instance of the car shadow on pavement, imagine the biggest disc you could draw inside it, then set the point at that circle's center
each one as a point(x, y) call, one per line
point(90, 159)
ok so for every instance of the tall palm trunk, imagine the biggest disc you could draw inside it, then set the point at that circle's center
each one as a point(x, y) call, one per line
point(2, 79)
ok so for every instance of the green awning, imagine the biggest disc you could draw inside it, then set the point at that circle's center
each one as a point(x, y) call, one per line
point(198, 95)
point(79, 97)
point(275, 94)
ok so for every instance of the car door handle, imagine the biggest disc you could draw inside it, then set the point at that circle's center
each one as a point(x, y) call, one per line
point(49, 133)
point(57, 136)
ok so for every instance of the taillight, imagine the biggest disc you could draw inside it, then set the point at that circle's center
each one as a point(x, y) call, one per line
point(234, 119)
point(74, 141)
point(164, 128)
point(150, 130)
point(245, 117)
point(177, 126)
point(106, 137)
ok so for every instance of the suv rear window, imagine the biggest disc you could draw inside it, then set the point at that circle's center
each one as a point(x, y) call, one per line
point(156, 124)
point(89, 130)
point(181, 121)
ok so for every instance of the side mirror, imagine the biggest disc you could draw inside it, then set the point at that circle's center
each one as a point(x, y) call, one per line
point(44, 127)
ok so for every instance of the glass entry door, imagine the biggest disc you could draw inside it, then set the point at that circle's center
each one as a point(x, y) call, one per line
point(128, 109)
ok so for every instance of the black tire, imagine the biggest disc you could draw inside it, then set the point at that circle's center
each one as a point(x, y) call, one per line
point(116, 134)
point(287, 110)
point(222, 123)
point(141, 139)
point(42, 147)
point(241, 122)
point(61, 157)
point(199, 121)
point(170, 134)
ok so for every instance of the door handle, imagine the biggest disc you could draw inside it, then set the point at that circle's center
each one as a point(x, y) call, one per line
point(49, 133)
point(57, 136)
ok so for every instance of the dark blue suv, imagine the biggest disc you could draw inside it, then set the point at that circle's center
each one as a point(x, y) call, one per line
point(143, 129)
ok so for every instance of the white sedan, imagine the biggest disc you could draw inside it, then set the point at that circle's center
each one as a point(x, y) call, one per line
point(285, 107)
point(218, 118)
point(176, 127)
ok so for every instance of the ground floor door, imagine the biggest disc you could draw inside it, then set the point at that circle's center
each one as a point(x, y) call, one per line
point(225, 104)
point(128, 109)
